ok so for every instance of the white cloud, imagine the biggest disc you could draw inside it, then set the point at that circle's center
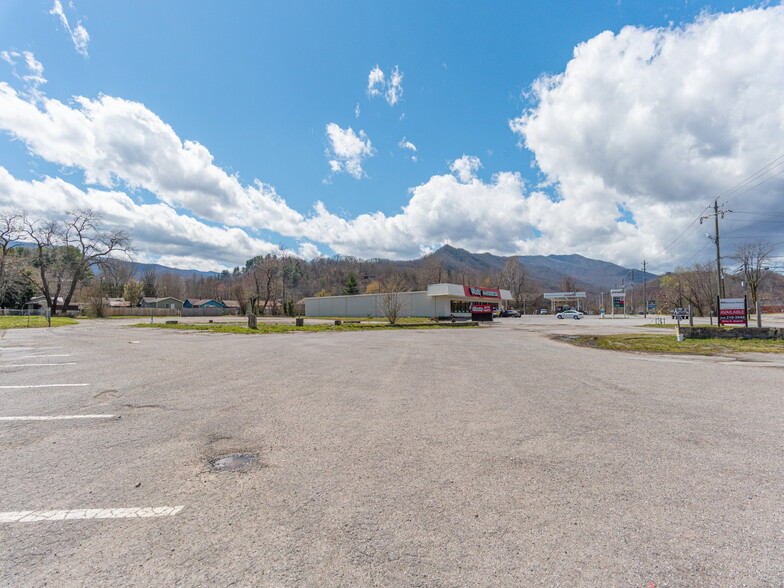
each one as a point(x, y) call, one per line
point(117, 142)
point(376, 82)
point(378, 85)
point(394, 87)
point(157, 228)
point(406, 144)
point(348, 149)
point(656, 121)
point(309, 251)
point(357, 112)
point(9, 57)
point(79, 35)
point(465, 168)
point(480, 217)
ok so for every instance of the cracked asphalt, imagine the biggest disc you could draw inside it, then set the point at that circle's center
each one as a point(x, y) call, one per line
point(494, 456)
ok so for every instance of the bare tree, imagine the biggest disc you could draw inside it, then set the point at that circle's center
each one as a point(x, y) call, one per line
point(393, 301)
point(150, 281)
point(568, 284)
point(753, 260)
point(116, 273)
point(10, 231)
point(694, 285)
point(515, 279)
point(66, 250)
point(432, 269)
point(264, 273)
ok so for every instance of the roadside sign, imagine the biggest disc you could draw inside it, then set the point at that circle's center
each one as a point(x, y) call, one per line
point(732, 311)
point(651, 305)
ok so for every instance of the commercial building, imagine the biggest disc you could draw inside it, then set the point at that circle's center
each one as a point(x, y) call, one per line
point(439, 300)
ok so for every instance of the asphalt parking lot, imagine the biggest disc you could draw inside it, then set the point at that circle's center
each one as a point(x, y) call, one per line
point(494, 456)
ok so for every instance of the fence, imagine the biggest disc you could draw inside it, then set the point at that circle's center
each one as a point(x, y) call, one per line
point(128, 311)
point(28, 312)
point(208, 311)
point(23, 311)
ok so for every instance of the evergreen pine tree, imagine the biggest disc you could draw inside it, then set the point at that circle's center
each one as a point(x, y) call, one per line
point(351, 285)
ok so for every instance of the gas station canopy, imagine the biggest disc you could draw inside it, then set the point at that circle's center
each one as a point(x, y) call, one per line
point(563, 297)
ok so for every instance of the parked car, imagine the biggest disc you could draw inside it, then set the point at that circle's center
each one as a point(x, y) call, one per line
point(510, 312)
point(543, 311)
point(575, 314)
point(680, 313)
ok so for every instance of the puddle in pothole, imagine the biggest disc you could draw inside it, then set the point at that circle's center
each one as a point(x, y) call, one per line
point(232, 463)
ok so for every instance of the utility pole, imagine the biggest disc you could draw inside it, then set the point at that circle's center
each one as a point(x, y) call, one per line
point(715, 215)
point(644, 292)
point(633, 310)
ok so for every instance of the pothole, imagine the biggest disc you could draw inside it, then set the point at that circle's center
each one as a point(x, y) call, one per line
point(232, 463)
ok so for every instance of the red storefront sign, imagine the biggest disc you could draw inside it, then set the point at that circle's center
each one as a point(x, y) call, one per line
point(481, 308)
point(732, 311)
point(473, 292)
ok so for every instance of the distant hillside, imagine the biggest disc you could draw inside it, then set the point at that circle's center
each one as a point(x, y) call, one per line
point(550, 270)
point(139, 268)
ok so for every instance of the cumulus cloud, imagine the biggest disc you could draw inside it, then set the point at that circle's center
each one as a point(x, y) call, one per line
point(656, 122)
point(465, 168)
point(308, 251)
point(120, 143)
point(471, 214)
point(157, 228)
point(348, 150)
point(391, 89)
point(79, 35)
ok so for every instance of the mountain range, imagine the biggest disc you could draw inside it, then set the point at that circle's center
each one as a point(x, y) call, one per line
point(549, 270)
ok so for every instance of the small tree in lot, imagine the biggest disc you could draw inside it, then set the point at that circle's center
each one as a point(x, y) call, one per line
point(351, 285)
point(133, 292)
point(393, 301)
point(753, 259)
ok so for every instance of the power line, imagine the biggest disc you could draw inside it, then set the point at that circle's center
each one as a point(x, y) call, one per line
point(752, 178)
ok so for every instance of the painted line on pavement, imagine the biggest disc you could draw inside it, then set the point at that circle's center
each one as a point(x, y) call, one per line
point(63, 417)
point(32, 516)
point(40, 364)
point(35, 356)
point(15, 349)
point(42, 386)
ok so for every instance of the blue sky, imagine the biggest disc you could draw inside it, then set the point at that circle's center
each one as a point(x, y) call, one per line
point(612, 157)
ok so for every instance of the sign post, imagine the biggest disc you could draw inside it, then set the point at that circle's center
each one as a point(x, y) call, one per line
point(618, 297)
point(733, 311)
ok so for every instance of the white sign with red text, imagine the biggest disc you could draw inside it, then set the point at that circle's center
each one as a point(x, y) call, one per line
point(732, 311)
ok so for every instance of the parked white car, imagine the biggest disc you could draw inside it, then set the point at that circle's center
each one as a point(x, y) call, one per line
point(575, 314)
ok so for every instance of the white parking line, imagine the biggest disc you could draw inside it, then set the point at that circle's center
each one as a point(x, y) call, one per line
point(40, 364)
point(15, 349)
point(35, 356)
point(58, 417)
point(31, 516)
point(42, 386)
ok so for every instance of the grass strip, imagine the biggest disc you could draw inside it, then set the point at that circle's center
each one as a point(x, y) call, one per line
point(669, 344)
point(266, 328)
point(21, 322)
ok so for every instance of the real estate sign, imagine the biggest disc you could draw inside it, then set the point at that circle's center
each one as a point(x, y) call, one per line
point(732, 311)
